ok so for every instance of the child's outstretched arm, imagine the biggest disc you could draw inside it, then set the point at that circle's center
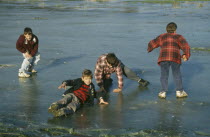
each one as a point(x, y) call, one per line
point(63, 85)
point(99, 96)
point(153, 44)
point(69, 83)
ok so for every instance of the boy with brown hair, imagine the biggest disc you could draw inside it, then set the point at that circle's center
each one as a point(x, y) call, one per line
point(82, 91)
point(108, 64)
point(28, 44)
point(170, 44)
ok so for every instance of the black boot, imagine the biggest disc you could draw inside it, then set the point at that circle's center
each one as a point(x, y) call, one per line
point(143, 82)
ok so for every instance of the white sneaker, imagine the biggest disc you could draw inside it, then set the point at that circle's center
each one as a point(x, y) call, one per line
point(23, 75)
point(162, 94)
point(181, 94)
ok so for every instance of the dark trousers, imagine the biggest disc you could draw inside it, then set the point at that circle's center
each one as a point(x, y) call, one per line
point(165, 66)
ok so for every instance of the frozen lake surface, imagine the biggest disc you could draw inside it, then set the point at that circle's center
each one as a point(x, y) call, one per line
point(72, 35)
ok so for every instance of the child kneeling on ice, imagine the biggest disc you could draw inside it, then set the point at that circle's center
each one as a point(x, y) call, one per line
point(82, 91)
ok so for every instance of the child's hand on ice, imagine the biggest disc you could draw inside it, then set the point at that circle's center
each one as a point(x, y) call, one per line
point(63, 85)
point(101, 101)
point(117, 90)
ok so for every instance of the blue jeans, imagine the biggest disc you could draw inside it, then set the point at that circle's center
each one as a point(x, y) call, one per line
point(70, 102)
point(129, 73)
point(165, 66)
point(28, 64)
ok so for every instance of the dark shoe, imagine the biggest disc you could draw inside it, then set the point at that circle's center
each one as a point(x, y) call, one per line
point(62, 112)
point(53, 107)
point(143, 82)
point(59, 113)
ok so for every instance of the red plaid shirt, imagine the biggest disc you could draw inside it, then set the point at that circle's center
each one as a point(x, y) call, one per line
point(102, 70)
point(170, 45)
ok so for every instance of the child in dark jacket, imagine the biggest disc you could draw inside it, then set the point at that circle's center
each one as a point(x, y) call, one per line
point(82, 91)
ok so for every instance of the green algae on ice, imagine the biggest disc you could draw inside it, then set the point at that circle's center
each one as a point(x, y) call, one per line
point(201, 49)
point(202, 133)
point(6, 65)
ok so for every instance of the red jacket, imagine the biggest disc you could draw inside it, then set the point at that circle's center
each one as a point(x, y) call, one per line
point(24, 45)
point(170, 45)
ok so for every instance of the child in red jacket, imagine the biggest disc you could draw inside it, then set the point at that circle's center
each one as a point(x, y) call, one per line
point(28, 44)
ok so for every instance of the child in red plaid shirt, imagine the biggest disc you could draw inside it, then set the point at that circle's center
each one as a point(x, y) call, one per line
point(108, 64)
point(170, 44)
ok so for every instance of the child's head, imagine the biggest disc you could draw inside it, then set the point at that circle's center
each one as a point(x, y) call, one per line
point(28, 33)
point(87, 76)
point(171, 27)
point(112, 59)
